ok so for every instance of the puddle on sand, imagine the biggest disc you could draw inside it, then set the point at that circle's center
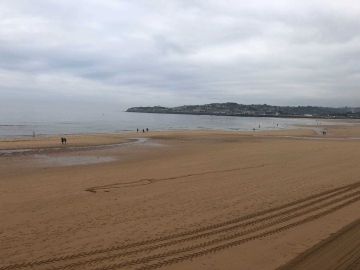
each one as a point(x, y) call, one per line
point(13, 151)
point(71, 160)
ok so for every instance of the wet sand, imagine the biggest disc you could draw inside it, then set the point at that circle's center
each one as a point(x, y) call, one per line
point(49, 142)
point(177, 200)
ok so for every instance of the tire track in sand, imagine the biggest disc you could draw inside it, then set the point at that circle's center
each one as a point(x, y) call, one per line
point(214, 232)
point(242, 241)
point(257, 222)
point(340, 251)
point(207, 246)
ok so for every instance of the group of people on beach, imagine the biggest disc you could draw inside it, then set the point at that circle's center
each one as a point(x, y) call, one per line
point(143, 130)
point(63, 140)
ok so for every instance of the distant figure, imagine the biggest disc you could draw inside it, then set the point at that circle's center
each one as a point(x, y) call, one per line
point(137, 130)
point(143, 131)
point(34, 134)
point(324, 132)
point(63, 140)
point(259, 125)
point(253, 129)
point(277, 125)
point(147, 130)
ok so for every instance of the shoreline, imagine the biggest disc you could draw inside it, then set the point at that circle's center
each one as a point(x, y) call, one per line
point(339, 131)
point(46, 129)
point(109, 139)
point(256, 116)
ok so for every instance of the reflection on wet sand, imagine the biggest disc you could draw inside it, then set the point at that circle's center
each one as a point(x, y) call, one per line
point(70, 160)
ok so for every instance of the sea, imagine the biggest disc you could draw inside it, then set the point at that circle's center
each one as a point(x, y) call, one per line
point(126, 122)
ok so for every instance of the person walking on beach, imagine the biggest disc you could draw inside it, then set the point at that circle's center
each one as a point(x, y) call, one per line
point(137, 130)
point(147, 130)
point(63, 140)
point(143, 131)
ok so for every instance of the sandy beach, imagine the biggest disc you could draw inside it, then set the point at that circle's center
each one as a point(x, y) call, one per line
point(182, 200)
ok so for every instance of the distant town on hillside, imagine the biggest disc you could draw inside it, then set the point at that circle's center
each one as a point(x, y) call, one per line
point(255, 110)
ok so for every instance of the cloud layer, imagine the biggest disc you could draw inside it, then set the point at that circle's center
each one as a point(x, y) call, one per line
point(177, 52)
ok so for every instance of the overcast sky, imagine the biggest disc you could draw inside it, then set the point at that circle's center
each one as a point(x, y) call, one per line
point(172, 52)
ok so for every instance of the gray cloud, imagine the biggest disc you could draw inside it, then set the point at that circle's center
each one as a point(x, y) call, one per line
point(178, 52)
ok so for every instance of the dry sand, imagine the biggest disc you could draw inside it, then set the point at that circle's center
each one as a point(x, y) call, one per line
point(178, 200)
point(341, 251)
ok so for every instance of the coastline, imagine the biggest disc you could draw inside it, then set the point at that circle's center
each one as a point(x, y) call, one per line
point(109, 139)
point(337, 129)
point(256, 115)
point(127, 122)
